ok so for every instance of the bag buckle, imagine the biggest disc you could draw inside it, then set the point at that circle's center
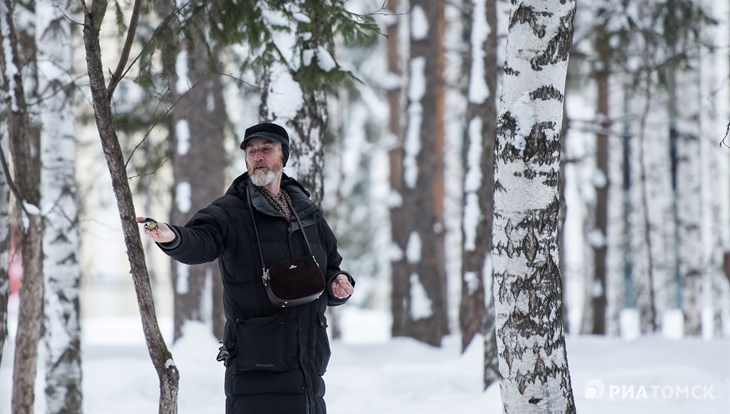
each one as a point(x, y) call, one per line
point(265, 277)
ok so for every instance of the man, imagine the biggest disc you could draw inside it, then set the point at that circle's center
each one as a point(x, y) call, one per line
point(275, 357)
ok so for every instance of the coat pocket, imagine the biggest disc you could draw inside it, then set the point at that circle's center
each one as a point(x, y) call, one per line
point(322, 346)
point(267, 344)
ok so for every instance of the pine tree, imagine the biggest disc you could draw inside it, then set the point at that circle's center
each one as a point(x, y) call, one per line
point(419, 283)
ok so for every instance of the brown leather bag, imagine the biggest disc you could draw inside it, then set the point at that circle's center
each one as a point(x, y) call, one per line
point(291, 282)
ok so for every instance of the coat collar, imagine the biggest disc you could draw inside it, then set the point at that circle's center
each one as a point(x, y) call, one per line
point(298, 194)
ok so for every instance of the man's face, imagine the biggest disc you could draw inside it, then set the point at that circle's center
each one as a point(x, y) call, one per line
point(264, 161)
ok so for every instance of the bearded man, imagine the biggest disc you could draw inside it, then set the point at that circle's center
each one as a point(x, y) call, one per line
point(275, 355)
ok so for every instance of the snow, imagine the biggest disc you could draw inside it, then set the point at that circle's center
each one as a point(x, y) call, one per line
point(183, 197)
point(181, 69)
point(471, 279)
point(412, 142)
point(472, 181)
point(370, 372)
point(413, 248)
point(419, 23)
point(478, 89)
point(31, 209)
point(182, 133)
point(183, 277)
point(421, 306)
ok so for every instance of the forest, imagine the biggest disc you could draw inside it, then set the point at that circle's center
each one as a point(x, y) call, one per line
point(511, 173)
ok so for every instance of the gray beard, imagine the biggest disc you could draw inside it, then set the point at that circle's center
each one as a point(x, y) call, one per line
point(262, 179)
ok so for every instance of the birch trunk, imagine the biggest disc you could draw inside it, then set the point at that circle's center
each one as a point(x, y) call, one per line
point(689, 210)
point(528, 294)
point(618, 230)
point(58, 202)
point(303, 112)
point(24, 148)
point(4, 222)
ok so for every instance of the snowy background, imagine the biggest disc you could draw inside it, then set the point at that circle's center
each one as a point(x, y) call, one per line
point(372, 373)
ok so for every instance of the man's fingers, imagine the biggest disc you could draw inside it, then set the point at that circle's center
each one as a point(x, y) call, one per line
point(342, 288)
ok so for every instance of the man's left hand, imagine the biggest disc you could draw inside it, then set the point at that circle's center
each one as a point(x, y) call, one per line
point(341, 287)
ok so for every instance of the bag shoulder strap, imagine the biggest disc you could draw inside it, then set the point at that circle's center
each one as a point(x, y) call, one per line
point(256, 231)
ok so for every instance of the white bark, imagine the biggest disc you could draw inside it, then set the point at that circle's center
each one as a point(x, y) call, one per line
point(689, 203)
point(528, 294)
point(58, 203)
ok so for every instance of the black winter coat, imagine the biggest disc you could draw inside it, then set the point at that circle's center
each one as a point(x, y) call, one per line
point(279, 355)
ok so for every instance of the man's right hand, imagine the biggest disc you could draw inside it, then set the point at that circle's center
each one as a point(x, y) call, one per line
point(161, 234)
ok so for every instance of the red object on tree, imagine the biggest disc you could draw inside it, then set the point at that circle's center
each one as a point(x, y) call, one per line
point(15, 268)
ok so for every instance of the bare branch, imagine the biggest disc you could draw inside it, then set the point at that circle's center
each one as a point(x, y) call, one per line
point(131, 31)
point(9, 179)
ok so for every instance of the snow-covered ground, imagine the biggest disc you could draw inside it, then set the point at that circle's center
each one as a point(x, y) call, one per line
point(373, 373)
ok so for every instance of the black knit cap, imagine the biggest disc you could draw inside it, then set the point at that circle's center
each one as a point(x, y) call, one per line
point(268, 131)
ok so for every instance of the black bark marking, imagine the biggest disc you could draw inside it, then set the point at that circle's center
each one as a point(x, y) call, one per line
point(499, 187)
point(507, 125)
point(546, 93)
point(510, 249)
point(539, 148)
point(558, 48)
point(552, 178)
point(528, 15)
point(530, 246)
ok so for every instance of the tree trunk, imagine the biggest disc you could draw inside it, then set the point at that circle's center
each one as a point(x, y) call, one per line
point(307, 123)
point(476, 312)
point(644, 281)
point(528, 293)
point(599, 234)
point(423, 283)
point(690, 237)
point(688, 202)
point(399, 219)
point(4, 208)
point(24, 148)
point(198, 169)
point(60, 207)
point(161, 357)
point(481, 118)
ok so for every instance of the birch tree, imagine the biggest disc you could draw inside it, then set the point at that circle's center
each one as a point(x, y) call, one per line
point(58, 202)
point(688, 209)
point(23, 143)
point(4, 216)
point(528, 295)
